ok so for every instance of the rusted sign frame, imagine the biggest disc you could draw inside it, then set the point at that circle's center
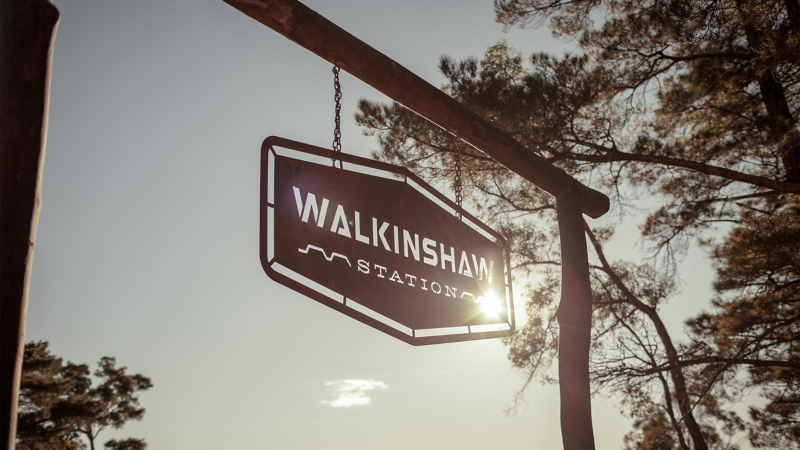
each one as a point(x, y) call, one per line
point(346, 306)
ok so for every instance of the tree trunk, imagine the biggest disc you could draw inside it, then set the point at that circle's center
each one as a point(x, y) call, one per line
point(676, 372)
point(678, 380)
point(793, 11)
point(27, 29)
point(671, 412)
point(574, 324)
point(780, 127)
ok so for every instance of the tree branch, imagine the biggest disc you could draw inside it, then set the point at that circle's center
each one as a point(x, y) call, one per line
point(707, 169)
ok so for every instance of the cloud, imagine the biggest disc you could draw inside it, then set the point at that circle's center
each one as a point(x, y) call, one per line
point(352, 392)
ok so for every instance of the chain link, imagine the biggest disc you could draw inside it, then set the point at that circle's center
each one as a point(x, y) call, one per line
point(337, 96)
point(457, 184)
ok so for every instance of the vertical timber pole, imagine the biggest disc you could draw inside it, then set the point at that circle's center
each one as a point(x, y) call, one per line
point(574, 323)
point(27, 30)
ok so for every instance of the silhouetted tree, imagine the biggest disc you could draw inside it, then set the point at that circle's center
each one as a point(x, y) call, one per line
point(691, 106)
point(58, 404)
point(126, 444)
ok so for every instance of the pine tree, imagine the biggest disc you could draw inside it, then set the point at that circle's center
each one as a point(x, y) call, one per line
point(693, 107)
point(59, 405)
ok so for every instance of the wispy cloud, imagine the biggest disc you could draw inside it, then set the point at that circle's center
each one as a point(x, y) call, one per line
point(352, 392)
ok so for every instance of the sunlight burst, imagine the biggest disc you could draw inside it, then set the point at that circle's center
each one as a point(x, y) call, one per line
point(491, 305)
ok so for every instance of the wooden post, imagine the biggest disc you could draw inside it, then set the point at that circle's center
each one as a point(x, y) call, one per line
point(27, 30)
point(322, 37)
point(574, 324)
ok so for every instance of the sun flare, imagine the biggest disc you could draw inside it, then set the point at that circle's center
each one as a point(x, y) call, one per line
point(491, 305)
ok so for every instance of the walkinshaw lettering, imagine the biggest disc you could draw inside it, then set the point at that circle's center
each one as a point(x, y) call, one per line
point(410, 245)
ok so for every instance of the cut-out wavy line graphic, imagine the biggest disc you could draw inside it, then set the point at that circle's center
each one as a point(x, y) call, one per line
point(329, 258)
point(478, 300)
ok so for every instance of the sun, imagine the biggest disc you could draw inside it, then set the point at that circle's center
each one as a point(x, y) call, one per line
point(491, 305)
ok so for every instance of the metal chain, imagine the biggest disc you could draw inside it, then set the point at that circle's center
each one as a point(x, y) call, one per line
point(457, 185)
point(337, 96)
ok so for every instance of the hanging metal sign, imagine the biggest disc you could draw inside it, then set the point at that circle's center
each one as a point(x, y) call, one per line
point(375, 242)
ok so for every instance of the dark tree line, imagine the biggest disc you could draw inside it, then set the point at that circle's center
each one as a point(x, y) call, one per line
point(691, 106)
point(59, 405)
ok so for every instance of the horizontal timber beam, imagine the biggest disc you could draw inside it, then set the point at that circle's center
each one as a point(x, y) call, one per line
point(322, 37)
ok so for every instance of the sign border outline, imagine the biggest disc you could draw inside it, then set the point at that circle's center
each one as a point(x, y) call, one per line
point(267, 210)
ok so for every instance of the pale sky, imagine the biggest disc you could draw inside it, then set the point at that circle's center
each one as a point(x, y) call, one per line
point(148, 242)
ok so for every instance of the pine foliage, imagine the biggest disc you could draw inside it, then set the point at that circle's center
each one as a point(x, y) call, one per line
point(686, 113)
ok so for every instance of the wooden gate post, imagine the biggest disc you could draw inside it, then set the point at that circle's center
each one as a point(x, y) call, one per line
point(27, 30)
point(575, 326)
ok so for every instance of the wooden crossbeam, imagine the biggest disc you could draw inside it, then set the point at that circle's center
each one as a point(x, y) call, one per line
point(314, 32)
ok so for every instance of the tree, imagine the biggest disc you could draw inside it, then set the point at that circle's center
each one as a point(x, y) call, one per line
point(59, 405)
point(126, 444)
point(686, 105)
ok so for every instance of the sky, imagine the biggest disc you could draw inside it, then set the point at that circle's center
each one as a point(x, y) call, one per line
point(147, 248)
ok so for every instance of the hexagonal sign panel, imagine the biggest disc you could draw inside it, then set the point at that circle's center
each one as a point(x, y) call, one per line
point(375, 242)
